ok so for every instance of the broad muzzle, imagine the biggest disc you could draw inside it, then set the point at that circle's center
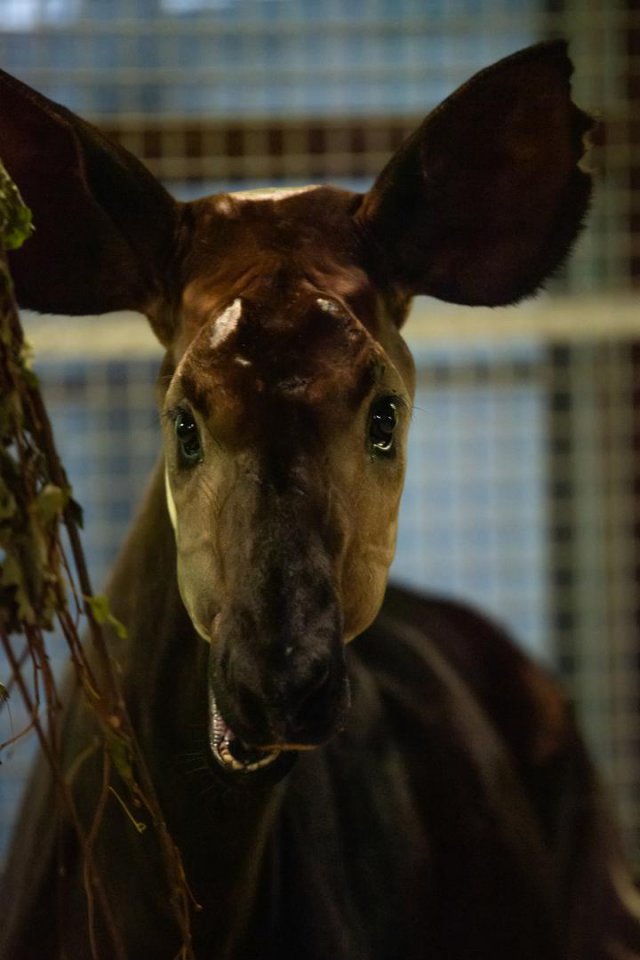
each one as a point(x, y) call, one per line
point(278, 677)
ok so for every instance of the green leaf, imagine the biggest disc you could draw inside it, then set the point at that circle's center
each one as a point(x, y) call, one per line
point(119, 749)
point(50, 503)
point(101, 611)
point(15, 217)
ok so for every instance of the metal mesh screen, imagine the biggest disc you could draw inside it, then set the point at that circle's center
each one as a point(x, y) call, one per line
point(523, 488)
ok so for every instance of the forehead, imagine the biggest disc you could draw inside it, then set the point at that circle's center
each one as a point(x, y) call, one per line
point(298, 351)
point(267, 243)
point(279, 304)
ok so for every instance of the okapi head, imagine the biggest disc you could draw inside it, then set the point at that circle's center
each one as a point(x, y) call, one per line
point(286, 390)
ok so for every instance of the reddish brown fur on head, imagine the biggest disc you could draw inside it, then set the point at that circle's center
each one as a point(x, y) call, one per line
point(286, 529)
point(281, 314)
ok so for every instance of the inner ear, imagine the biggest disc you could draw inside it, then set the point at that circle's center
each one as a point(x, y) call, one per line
point(484, 200)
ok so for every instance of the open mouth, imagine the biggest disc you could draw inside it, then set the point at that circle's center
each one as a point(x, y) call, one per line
point(326, 709)
point(229, 751)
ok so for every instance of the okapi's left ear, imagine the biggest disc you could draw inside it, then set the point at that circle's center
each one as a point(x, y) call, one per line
point(105, 228)
point(484, 200)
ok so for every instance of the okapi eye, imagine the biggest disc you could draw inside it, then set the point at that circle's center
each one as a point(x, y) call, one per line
point(188, 438)
point(382, 424)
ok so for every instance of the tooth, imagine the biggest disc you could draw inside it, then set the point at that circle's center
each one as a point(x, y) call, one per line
point(221, 738)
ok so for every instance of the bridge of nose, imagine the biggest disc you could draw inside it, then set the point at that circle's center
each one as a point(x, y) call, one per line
point(280, 633)
point(280, 640)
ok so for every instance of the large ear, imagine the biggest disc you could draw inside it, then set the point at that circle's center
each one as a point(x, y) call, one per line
point(483, 201)
point(104, 227)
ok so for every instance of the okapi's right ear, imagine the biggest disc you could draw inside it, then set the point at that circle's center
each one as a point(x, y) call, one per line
point(104, 227)
point(484, 200)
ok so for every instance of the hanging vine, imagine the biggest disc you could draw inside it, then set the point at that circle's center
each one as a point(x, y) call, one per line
point(44, 584)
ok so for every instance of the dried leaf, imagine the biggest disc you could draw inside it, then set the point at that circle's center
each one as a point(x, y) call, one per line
point(7, 502)
point(12, 575)
point(75, 513)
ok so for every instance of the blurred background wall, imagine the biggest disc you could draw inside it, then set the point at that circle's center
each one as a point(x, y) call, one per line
point(523, 494)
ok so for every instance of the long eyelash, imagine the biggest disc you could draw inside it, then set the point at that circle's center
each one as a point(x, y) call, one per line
point(171, 413)
point(401, 401)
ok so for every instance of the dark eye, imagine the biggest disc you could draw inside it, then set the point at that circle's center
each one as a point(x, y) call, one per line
point(382, 424)
point(188, 438)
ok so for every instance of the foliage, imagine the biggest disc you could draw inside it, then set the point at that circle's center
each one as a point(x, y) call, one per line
point(40, 588)
point(15, 217)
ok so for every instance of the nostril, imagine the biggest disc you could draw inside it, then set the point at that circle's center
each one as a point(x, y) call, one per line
point(312, 703)
point(250, 711)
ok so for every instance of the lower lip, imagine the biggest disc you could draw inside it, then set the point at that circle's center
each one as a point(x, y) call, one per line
point(221, 739)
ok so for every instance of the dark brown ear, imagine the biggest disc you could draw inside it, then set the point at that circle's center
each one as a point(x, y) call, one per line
point(483, 201)
point(104, 227)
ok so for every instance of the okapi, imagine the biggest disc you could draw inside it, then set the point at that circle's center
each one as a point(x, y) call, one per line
point(442, 805)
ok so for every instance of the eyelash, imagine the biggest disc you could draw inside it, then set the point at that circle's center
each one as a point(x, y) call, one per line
point(187, 435)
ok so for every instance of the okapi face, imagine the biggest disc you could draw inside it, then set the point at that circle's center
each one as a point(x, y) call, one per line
point(287, 386)
point(285, 428)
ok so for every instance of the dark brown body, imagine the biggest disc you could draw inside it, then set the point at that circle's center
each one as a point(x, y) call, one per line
point(441, 806)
